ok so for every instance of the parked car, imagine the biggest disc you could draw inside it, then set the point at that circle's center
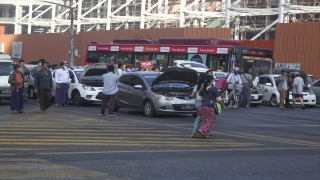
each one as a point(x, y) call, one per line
point(85, 83)
point(199, 67)
point(218, 75)
point(315, 86)
point(311, 79)
point(158, 93)
point(268, 85)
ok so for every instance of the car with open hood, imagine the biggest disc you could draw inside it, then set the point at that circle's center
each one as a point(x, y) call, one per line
point(158, 93)
point(86, 83)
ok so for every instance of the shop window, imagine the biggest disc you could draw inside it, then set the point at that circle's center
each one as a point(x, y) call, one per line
point(125, 58)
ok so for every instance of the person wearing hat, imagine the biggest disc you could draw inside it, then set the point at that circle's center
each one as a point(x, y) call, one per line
point(298, 87)
point(282, 88)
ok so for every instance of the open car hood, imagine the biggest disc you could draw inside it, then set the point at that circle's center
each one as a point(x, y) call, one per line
point(92, 75)
point(184, 76)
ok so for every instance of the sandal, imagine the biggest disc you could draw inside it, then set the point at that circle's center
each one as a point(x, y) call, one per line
point(101, 115)
point(14, 112)
point(112, 115)
point(195, 136)
point(201, 133)
point(22, 112)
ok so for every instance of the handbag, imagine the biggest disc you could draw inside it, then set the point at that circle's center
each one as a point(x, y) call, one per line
point(216, 106)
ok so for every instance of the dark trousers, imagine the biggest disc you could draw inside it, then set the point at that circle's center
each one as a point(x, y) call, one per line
point(45, 99)
point(287, 99)
point(110, 100)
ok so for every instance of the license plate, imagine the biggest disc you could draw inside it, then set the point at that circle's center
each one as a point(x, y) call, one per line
point(187, 106)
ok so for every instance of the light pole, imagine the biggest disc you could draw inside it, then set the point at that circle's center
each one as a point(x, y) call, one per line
point(71, 28)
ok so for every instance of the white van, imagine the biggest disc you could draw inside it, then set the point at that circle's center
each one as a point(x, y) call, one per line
point(6, 68)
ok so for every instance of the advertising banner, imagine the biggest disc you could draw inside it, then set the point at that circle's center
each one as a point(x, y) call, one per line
point(146, 64)
point(16, 50)
point(295, 66)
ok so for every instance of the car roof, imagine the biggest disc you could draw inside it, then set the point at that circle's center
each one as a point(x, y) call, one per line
point(273, 75)
point(186, 61)
point(142, 73)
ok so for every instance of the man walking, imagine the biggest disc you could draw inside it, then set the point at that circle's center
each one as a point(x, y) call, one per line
point(35, 70)
point(246, 79)
point(298, 85)
point(62, 85)
point(233, 78)
point(110, 88)
point(43, 83)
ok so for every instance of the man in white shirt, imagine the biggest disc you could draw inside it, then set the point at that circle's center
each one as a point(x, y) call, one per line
point(62, 85)
point(120, 71)
point(298, 84)
point(233, 78)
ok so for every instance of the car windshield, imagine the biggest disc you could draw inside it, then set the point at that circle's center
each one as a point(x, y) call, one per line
point(150, 78)
point(6, 68)
point(309, 80)
point(78, 73)
point(188, 65)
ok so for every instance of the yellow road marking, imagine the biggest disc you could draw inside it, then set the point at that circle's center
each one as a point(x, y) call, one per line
point(274, 139)
point(23, 149)
point(50, 174)
point(22, 160)
point(35, 166)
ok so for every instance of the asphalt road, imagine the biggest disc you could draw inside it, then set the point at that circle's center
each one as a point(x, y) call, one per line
point(74, 143)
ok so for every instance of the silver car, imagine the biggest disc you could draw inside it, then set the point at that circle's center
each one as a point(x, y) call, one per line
point(315, 86)
point(158, 93)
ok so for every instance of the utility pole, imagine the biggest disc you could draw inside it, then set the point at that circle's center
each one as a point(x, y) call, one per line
point(71, 28)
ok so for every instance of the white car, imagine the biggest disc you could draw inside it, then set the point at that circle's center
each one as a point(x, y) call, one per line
point(86, 83)
point(268, 85)
point(218, 75)
point(199, 67)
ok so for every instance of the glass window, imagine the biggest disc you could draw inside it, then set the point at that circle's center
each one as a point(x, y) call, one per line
point(125, 79)
point(262, 80)
point(6, 68)
point(176, 56)
point(193, 65)
point(93, 56)
point(78, 73)
point(160, 59)
point(139, 57)
point(268, 80)
point(107, 57)
point(317, 84)
point(150, 78)
point(136, 80)
point(256, 66)
point(125, 58)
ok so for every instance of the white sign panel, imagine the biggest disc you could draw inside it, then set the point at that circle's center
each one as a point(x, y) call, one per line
point(295, 66)
point(222, 50)
point(138, 48)
point(16, 49)
point(192, 50)
point(164, 49)
point(1, 47)
point(114, 48)
point(92, 48)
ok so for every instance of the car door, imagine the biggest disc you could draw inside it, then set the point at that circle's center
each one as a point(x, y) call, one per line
point(123, 85)
point(264, 89)
point(269, 89)
point(135, 96)
point(316, 89)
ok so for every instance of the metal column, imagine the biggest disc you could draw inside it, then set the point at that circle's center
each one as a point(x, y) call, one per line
point(181, 18)
point(143, 11)
point(30, 17)
point(228, 5)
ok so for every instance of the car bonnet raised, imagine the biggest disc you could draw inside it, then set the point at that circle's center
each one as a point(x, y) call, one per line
point(92, 75)
point(177, 75)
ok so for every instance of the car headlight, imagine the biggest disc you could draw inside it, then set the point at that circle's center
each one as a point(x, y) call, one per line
point(88, 88)
point(162, 97)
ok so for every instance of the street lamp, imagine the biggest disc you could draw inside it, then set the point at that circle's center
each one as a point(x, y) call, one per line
point(71, 28)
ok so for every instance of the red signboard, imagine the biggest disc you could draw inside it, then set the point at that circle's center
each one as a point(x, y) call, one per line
point(126, 48)
point(179, 49)
point(151, 49)
point(146, 64)
point(207, 50)
point(103, 48)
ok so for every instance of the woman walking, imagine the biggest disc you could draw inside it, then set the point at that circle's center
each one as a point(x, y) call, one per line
point(209, 95)
point(197, 104)
point(16, 81)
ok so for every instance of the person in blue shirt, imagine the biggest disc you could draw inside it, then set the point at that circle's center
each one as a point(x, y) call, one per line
point(209, 95)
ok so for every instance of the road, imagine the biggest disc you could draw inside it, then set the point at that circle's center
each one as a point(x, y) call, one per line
point(74, 143)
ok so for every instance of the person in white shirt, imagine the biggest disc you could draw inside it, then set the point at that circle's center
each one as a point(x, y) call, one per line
point(255, 82)
point(120, 71)
point(298, 87)
point(62, 85)
point(233, 78)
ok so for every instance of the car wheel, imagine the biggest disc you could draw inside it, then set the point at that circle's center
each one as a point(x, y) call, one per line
point(310, 106)
point(148, 109)
point(274, 101)
point(76, 99)
point(254, 104)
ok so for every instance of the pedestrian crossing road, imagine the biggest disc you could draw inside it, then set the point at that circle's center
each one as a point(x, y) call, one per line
point(71, 143)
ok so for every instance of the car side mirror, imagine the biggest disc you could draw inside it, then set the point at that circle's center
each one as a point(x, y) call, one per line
point(268, 84)
point(137, 86)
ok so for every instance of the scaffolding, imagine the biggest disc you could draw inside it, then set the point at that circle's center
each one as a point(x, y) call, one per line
point(250, 19)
